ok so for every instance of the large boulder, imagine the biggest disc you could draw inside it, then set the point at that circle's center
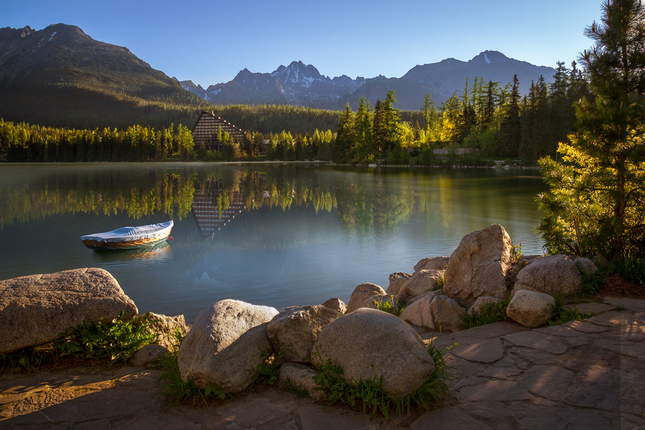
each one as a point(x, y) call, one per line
point(530, 308)
point(585, 265)
point(446, 313)
point(36, 309)
point(397, 280)
point(296, 328)
point(550, 275)
point(235, 368)
point(419, 313)
point(368, 344)
point(479, 265)
point(361, 293)
point(421, 282)
point(214, 329)
point(432, 263)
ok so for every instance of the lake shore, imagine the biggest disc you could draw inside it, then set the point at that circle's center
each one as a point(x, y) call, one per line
point(582, 374)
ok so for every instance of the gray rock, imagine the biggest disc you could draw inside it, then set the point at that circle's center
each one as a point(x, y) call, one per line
point(479, 265)
point(336, 304)
point(214, 329)
point(432, 263)
point(530, 308)
point(481, 302)
point(446, 313)
point(361, 293)
point(301, 377)
point(585, 265)
point(234, 368)
point(397, 280)
point(421, 296)
point(419, 313)
point(149, 355)
point(600, 261)
point(164, 327)
point(368, 344)
point(421, 282)
point(296, 328)
point(550, 275)
point(36, 309)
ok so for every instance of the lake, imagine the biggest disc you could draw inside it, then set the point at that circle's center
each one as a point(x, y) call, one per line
point(267, 234)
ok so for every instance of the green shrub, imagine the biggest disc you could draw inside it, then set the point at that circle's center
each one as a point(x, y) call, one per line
point(631, 266)
point(489, 313)
point(592, 283)
point(110, 342)
point(390, 306)
point(559, 315)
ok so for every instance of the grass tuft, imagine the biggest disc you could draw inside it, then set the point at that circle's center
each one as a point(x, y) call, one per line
point(369, 396)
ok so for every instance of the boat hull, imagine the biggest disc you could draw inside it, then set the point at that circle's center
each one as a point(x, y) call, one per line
point(127, 238)
point(132, 244)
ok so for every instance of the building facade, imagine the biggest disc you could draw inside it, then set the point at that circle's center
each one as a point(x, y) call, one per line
point(206, 129)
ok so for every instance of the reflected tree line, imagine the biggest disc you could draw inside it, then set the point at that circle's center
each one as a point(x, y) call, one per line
point(362, 206)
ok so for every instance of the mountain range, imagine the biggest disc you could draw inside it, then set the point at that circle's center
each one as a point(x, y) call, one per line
point(61, 76)
point(302, 85)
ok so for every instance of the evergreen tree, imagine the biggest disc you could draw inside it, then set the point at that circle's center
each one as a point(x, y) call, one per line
point(344, 150)
point(363, 142)
point(596, 202)
point(510, 132)
point(379, 128)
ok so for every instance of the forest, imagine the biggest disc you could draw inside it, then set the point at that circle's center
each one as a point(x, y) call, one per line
point(489, 120)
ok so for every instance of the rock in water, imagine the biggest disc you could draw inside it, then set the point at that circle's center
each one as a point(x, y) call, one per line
point(215, 329)
point(36, 309)
point(368, 344)
point(479, 265)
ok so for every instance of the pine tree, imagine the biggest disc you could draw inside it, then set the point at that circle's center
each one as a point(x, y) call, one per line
point(596, 202)
point(363, 142)
point(510, 132)
point(344, 150)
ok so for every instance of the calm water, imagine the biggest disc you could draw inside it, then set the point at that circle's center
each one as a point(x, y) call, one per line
point(275, 235)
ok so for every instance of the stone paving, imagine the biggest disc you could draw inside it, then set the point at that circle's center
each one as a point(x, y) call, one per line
point(579, 375)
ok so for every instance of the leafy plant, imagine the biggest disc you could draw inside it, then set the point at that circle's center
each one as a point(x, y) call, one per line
point(369, 395)
point(517, 250)
point(489, 313)
point(268, 371)
point(114, 342)
point(592, 283)
point(560, 315)
point(630, 265)
point(389, 306)
point(110, 342)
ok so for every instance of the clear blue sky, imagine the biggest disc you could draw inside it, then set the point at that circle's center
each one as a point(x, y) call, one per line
point(211, 41)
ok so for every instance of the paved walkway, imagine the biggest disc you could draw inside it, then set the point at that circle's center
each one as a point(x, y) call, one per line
point(580, 375)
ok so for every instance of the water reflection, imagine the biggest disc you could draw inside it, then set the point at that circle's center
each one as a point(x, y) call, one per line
point(268, 234)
